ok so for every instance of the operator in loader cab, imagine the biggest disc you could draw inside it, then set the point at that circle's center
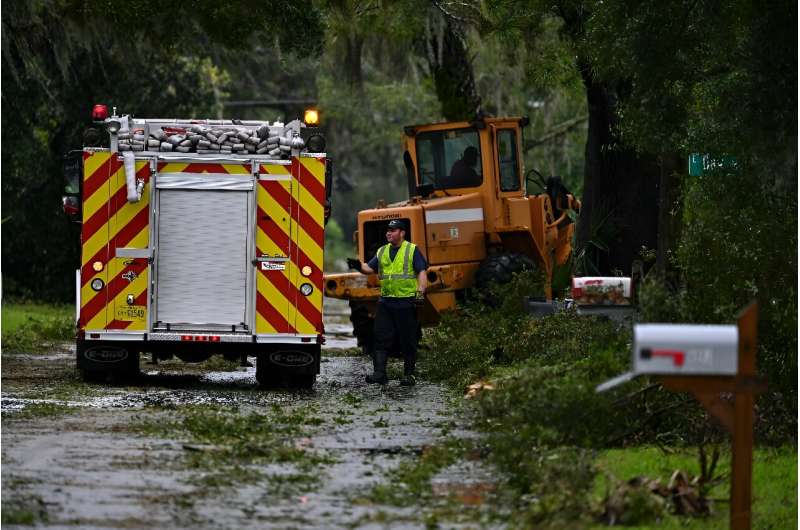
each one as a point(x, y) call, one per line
point(400, 266)
point(463, 171)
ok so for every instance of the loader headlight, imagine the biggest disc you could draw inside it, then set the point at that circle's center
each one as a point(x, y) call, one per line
point(97, 284)
point(306, 289)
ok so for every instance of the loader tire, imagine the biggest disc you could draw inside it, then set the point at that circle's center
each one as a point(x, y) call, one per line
point(500, 269)
point(363, 328)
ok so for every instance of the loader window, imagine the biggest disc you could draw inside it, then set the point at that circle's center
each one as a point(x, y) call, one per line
point(449, 159)
point(507, 156)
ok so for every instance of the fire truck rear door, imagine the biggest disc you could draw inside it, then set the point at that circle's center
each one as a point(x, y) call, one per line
point(274, 221)
point(202, 258)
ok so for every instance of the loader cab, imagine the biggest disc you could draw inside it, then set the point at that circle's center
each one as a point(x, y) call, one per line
point(458, 158)
point(449, 159)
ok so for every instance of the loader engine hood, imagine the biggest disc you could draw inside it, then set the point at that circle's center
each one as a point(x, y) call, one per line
point(372, 226)
point(446, 229)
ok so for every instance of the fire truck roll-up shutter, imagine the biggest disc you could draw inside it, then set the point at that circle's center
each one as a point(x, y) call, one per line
point(202, 257)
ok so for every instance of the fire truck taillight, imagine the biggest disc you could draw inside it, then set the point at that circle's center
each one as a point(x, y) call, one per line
point(200, 338)
point(97, 284)
point(306, 289)
point(99, 113)
point(306, 271)
point(97, 266)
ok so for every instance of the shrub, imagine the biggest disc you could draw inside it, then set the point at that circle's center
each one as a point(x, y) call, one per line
point(470, 341)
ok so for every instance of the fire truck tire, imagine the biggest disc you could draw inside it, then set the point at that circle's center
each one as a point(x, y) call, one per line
point(305, 381)
point(266, 375)
point(500, 269)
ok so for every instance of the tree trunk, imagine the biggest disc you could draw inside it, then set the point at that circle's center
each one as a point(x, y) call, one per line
point(669, 216)
point(619, 212)
point(352, 60)
point(452, 72)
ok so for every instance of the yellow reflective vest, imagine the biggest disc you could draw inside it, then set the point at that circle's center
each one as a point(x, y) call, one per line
point(397, 276)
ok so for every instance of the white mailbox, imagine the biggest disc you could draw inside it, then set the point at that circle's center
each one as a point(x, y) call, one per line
point(684, 349)
point(601, 290)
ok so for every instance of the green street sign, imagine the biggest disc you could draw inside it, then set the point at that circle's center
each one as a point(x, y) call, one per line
point(700, 164)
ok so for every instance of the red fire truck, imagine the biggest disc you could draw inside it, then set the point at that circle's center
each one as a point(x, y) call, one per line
point(200, 237)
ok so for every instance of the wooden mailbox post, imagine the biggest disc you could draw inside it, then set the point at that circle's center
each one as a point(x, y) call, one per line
point(708, 361)
point(736, 417)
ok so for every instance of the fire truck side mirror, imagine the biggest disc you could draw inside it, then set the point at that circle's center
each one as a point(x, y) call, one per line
point(73, 179)
point(328, 179)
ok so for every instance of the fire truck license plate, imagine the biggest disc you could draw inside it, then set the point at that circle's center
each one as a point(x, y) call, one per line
point(131, 313)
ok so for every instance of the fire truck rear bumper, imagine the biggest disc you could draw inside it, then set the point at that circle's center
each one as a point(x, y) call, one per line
point(202, 337)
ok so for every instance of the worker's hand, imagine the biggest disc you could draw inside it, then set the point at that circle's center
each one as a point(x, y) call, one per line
point(354, 263)
point(420, 298)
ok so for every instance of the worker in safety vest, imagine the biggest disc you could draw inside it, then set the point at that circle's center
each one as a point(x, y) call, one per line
point(401, 269)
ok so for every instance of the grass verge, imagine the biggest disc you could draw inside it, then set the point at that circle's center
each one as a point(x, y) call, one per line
point(774, 484)
point(32, 328)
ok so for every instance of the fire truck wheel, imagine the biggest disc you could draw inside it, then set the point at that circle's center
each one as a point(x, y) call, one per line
point(363, 328)
point(266, 375)
point(305, 381)
point(499, 269)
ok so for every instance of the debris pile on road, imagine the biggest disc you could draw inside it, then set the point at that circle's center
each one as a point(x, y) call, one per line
point(643, 499)
point(475, 388)
point(276, 141)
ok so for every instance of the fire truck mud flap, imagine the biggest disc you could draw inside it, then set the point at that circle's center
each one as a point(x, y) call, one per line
point(295, 366)
point(98, 359)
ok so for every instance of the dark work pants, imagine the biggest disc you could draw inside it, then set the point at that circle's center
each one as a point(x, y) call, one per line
point(400, 323)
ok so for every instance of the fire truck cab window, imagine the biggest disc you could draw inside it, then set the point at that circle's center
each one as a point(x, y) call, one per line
point(507, 156)
point(449, 159)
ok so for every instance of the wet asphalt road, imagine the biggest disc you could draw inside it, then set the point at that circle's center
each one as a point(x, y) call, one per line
point(86, 467)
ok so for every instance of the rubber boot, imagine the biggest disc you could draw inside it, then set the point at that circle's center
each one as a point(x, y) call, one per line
point(408, 374)
point(408, 380)
point(379, 368)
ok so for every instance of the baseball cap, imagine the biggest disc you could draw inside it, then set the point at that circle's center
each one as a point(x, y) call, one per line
point(397, 223)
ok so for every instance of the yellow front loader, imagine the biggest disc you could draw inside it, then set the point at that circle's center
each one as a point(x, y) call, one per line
point(470, 214)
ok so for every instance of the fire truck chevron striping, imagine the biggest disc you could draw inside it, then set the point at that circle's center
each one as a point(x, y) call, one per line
point(302, 242)
point(111, 222)
point(210, 249)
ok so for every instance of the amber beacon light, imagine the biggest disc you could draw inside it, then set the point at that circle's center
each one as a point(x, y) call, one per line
point(311, 117)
